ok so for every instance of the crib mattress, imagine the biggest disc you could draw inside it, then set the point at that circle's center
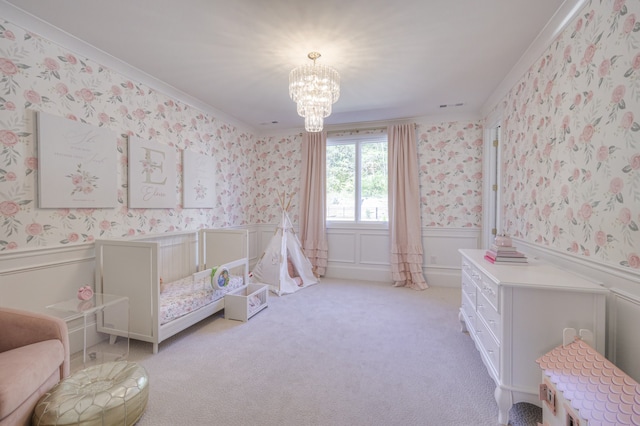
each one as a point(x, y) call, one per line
point(186, 295)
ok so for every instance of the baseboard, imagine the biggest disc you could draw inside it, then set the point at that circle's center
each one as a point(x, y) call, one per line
point(351, 272)
point(442, 276)
point(435, 276)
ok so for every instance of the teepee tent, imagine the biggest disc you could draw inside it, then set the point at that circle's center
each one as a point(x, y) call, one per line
point(283, 265)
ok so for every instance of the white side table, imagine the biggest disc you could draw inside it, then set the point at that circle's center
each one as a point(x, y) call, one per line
point(103, 322)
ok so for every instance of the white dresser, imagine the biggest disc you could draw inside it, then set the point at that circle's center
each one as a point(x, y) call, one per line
point(516, 313)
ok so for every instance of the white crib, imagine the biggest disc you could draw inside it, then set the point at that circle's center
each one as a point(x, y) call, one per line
point(155, 271)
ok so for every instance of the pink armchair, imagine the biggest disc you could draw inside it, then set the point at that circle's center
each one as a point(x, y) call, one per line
point(34, 356)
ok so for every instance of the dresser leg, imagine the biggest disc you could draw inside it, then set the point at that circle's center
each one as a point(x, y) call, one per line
point(463, 325)
point(504, 400)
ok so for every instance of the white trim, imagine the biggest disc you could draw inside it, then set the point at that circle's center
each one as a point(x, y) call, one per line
point(424, 120)
point(612, 276)
point(80, 47)
point(451, 232)
point(558, 22)
point(21, 261)
point(487, 216)
point(369, 137)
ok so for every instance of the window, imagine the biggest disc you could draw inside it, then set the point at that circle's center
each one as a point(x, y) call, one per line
point(357, 179)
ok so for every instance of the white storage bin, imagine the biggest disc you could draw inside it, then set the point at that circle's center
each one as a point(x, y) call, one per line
point(245, 302)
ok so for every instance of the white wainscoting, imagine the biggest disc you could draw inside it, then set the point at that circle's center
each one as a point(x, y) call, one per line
point(33, 279)
point(624, 336)
point(623, 302)
point(363, 253)
point(441, 257)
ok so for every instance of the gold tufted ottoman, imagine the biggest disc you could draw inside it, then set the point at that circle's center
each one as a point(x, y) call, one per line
point(114, 393)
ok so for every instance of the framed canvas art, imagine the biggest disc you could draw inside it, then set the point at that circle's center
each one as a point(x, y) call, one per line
point(198, 181)
point(77, 164)
point(152, 174)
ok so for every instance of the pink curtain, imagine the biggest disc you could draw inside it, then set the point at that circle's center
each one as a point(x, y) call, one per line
point(405, 231)
point(313, 200)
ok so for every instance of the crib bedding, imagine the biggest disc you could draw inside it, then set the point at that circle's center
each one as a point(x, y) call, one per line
point(186, 295)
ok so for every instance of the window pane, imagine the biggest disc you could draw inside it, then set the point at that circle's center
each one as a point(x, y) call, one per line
point(341, 182)
point(373, 182)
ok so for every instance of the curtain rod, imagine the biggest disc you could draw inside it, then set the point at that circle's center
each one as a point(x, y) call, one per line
point(360, 129)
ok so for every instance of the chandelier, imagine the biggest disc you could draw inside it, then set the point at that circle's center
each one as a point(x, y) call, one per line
point(314, 88)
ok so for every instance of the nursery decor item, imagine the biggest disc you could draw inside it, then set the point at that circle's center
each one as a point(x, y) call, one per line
point(198, 181)
point(133, 267)
point(76, 164)
point(152, 174)
point(240, 305)
point(85, 293)
point(111, 393)
point(221, 277)
point(283, 250)
point(503, 240)
point(502, 251)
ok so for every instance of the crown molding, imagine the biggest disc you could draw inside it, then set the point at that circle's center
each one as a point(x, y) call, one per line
point(567, 11)
point(67, 41)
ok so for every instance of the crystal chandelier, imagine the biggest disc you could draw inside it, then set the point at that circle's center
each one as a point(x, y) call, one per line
point(314, 88)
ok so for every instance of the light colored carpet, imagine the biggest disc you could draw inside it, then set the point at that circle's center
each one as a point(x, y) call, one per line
point(337, 353)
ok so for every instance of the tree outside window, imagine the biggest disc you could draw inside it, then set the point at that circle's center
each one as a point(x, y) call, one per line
point(357, 179)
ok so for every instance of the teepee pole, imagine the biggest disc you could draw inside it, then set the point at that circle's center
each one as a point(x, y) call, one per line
point(289, 203)
point(281, 199)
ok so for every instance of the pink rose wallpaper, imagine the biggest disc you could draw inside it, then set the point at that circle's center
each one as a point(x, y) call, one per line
point(450, 162)
point(570, 153)
point(571, 137)
point(37, 75)
point(277, 169)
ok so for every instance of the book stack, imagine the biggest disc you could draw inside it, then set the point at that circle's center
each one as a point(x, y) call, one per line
point(505, 255)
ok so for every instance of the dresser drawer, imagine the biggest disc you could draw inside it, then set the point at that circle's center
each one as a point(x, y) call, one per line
point(475, 275)
point(489, 290)
point(469, 288)
point(466, 265)
point(490, 316)
point(489, 346)
point(469, 312)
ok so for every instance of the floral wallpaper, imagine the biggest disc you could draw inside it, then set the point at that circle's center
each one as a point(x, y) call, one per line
point(450, 161)
point(570, 147)
point(571, 132)
point(277, 170)
point(449, 157)
point(38, 75)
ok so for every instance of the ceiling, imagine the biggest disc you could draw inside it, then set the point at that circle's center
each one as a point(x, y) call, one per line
point(396, 60)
